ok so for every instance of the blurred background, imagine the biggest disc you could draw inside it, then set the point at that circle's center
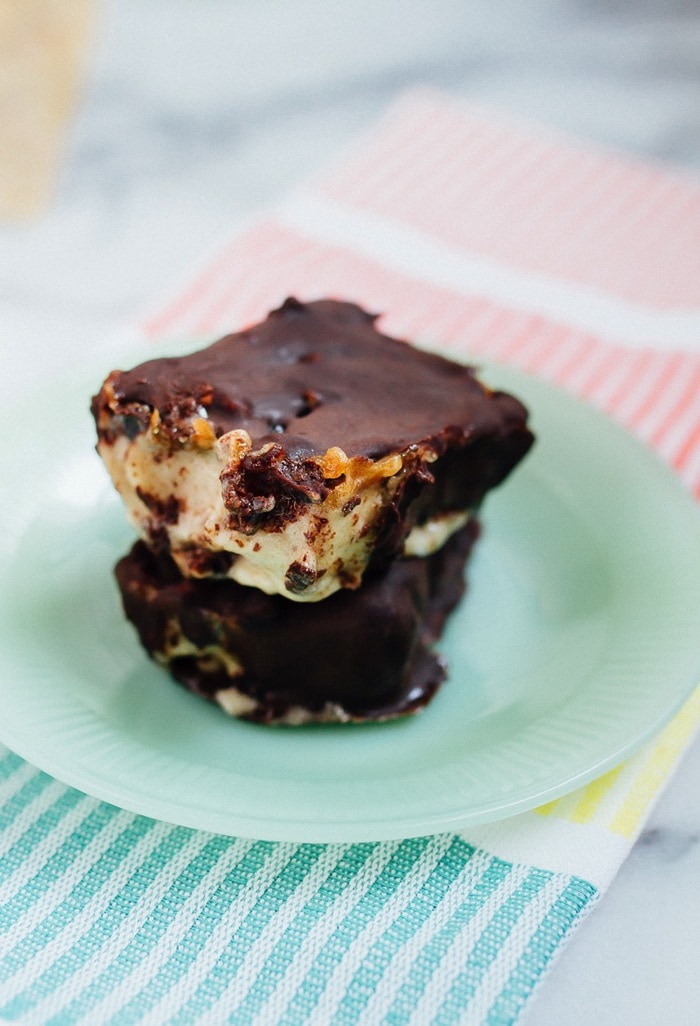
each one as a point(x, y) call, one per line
point(135, 135)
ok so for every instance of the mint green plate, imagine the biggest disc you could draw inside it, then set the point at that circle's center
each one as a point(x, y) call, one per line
point(578, 640)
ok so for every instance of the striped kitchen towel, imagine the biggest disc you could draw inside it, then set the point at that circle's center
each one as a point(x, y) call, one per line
point(576, 265)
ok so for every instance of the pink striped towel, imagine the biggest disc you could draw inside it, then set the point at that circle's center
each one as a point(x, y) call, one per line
point(471, 232)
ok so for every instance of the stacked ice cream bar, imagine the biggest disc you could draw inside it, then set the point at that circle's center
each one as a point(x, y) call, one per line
point(306, 492)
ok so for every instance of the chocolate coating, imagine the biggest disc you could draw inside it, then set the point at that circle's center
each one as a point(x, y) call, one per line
point(368, 651)
point(316, 375)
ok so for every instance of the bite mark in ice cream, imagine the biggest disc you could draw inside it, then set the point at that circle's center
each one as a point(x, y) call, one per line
point(304, 452)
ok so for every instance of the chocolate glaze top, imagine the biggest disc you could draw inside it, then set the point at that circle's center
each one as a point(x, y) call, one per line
point(316, 375)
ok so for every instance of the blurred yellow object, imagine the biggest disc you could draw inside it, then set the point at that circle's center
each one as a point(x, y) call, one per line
point(43, 49)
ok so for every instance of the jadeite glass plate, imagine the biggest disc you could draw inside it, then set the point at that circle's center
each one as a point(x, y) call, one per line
point(578, 639)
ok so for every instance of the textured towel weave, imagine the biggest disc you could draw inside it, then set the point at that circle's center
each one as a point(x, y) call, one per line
point(576, 265)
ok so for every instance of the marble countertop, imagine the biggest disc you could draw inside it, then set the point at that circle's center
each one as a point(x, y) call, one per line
point(195, 116)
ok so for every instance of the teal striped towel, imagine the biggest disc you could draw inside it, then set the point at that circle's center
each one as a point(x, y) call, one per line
point(109, 917)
